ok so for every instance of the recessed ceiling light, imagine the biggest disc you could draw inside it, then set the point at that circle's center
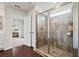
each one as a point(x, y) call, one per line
point(17, 6)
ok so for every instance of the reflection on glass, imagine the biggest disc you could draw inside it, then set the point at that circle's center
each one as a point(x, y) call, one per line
point(60, 42)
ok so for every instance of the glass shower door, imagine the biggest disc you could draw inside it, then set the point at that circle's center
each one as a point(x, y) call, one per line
point(42, 34)
point(61, 33)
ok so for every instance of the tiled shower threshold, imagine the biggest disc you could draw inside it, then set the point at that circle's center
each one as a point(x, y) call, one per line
point(58, 53)
point(43, 54)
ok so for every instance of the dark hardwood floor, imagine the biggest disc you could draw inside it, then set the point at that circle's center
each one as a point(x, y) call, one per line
point(21, 51)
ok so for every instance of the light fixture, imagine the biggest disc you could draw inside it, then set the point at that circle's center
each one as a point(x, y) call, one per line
point(60, 13)
point(17, 6)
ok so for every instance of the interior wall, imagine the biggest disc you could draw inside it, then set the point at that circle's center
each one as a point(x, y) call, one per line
point(11, 13)
point(21, 29)
point(78, 30)
point(10, 42)
point(32, 12)
point(32, 15)
point(2, 32)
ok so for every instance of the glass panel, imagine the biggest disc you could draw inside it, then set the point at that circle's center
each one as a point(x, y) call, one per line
point(42, 43)
point(61, 33)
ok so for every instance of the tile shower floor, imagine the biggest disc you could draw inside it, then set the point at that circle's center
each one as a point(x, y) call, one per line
point(55, 51)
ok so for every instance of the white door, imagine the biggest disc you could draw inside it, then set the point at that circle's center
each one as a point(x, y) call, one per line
point(27, 30)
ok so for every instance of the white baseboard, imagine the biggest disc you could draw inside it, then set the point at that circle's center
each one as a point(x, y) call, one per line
point(8, 48)
point(12, 47)
point(16, 45)
point(42, 53)
point(26, 44)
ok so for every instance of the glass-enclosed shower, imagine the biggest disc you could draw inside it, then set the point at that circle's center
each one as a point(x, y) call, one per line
point(55, 32)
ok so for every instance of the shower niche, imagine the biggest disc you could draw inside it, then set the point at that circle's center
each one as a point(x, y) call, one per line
point(54, 34)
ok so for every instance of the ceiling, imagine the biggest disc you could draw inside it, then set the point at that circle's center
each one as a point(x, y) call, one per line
point(46, 5)
point(26, 6)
